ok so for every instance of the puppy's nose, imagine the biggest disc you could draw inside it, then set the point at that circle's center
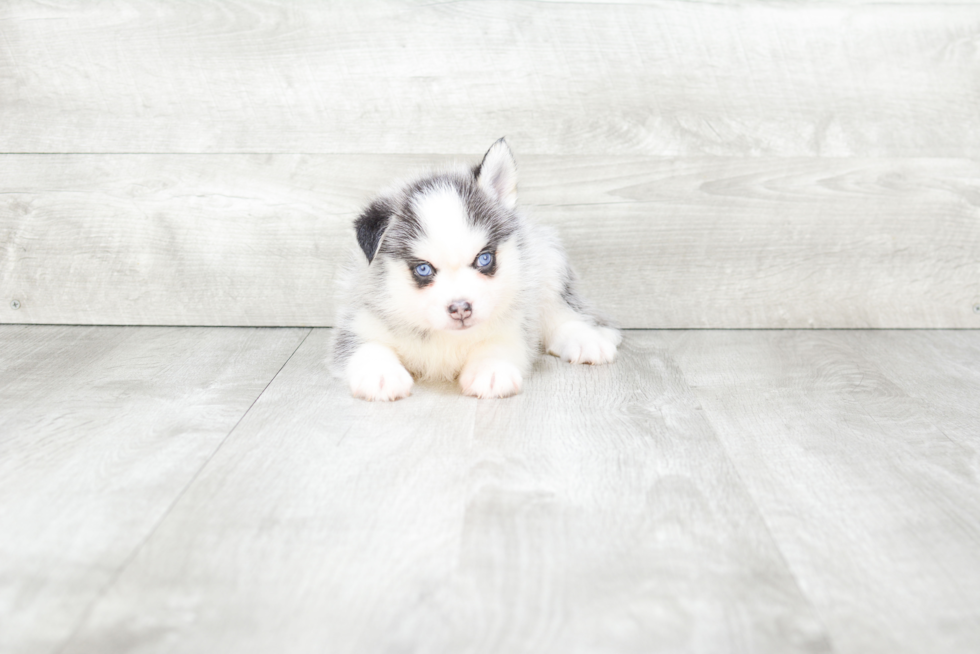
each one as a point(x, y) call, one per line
point(460, 309)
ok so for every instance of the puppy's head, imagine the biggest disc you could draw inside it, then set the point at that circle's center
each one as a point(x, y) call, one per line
point(444, 247)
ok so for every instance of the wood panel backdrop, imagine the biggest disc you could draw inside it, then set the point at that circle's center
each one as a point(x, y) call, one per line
point(725, 164)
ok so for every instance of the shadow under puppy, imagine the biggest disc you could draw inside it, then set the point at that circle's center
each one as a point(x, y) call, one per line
point(456, 284)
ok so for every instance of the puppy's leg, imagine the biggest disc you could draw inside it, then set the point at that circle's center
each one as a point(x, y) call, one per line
point(496, 369)
point(374, 373)
point(572, 331)
point(577, 341)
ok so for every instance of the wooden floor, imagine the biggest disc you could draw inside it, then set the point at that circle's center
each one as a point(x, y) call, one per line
point(215, 490)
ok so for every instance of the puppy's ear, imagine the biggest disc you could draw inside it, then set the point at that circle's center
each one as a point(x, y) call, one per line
point(497, 174)
point(371, 226)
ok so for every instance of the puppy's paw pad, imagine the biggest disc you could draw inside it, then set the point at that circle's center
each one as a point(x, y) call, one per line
point(491, 378)
point(578, 342)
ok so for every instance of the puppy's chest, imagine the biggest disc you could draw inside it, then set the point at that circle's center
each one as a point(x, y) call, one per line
point(437, 357)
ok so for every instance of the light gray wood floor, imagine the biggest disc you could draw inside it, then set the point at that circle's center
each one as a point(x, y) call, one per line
point(215, 490)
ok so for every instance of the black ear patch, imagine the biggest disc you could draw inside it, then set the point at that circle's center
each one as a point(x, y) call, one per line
point(370, 226)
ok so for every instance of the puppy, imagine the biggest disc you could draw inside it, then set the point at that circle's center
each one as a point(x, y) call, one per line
point(454, 283)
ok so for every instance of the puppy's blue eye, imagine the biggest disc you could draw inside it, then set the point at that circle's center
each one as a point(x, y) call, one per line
point(423, 270)
point(484, 260)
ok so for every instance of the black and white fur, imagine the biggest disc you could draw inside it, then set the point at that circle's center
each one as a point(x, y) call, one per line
point(476, 319)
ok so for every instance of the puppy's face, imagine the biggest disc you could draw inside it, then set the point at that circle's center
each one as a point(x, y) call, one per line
point(455, 274)
point(446, 250)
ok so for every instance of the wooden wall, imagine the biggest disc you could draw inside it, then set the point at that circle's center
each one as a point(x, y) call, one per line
point(709, 164)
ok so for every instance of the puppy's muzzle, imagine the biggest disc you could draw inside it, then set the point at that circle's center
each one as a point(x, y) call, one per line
point(460, 310)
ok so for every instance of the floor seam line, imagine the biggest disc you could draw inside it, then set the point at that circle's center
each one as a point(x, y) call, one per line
point(136, 550)
point(737, 471)
point(818, 614)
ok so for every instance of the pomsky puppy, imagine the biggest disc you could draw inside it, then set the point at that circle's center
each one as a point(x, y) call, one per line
point(454, 283)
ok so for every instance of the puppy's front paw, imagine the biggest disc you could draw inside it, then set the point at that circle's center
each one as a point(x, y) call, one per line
point(376, 374)
point(579, 342)
point(490, 378)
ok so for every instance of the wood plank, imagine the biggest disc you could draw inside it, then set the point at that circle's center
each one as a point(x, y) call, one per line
point(594, 512)
point(101, 429)
point(875, 508)
point(940, 374)
point(692, 242)
point(656, 78)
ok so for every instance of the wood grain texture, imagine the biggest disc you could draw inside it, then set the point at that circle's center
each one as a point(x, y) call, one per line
point(101, 429)
point(940, 374)
point(656, 78)
point(691, 242)
point(871, 492)
point(596, 512)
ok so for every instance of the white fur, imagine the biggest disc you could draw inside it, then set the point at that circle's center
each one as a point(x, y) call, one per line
point(488, 378)
point(578, 342)
point(448, 239)
point(375, 373)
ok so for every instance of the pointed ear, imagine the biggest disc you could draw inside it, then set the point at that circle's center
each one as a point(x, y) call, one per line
point(371, 226)
point(497, 174)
